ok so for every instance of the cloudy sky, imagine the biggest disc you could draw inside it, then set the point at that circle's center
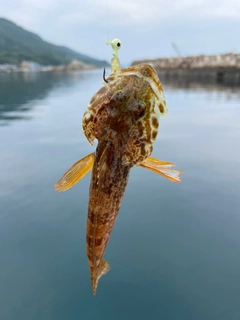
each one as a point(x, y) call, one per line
point(147, 28)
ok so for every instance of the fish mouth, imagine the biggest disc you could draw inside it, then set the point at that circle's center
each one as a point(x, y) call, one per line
point(108, 183)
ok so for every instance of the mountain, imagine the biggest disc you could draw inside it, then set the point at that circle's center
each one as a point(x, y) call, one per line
point(18, 44)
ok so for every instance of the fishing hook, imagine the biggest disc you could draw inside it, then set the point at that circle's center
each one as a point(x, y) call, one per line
point(104, 72)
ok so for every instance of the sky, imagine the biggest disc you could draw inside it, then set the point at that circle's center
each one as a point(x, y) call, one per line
point(146, 28)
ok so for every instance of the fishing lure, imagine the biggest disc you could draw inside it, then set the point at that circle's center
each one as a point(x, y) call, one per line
point(124, 117)
point(115, 63)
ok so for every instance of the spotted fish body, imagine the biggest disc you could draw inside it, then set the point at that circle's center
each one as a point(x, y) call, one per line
point(124, 117)
point(127, 108)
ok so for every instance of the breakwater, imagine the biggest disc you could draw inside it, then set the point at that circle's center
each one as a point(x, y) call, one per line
point(222, 68)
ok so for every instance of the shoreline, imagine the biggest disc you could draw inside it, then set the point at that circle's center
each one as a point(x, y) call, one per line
point(31, 67)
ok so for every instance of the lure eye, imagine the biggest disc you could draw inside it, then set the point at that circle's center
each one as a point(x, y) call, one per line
point(119, 44)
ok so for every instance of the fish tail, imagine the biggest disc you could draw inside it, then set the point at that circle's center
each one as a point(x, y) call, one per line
point(96, 274)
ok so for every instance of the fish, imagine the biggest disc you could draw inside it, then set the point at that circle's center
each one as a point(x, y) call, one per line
point(123, 116)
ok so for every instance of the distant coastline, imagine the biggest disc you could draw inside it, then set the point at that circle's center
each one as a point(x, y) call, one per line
point(19, 46)
point(224, 68)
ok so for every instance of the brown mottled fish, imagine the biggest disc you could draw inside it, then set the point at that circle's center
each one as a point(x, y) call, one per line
point(124, 117)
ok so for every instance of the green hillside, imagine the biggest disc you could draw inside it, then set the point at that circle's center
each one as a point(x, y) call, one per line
point(17, 44)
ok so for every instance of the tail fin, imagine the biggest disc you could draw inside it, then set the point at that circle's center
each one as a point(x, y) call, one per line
point(103, 268)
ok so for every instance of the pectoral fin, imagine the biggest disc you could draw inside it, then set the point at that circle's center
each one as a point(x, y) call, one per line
point(162, 168)
point(75, 173)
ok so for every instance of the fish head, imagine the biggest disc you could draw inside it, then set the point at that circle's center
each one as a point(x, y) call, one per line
point(125, 112)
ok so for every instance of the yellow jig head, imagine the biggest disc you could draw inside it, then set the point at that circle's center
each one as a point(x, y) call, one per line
point(115, 63)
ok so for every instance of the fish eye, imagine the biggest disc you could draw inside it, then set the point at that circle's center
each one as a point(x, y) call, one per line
point(141, 114)
point(138, 111)
point(119, 44)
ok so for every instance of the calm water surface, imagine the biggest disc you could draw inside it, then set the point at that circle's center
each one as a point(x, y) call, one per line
point(175, 249)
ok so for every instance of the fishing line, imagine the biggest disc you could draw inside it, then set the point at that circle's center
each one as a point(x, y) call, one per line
point(107, 27)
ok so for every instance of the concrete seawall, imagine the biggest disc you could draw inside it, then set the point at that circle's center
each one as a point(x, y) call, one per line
point(223, 68)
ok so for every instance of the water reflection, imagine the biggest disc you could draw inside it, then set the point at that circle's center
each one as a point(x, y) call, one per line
point(201, 86)
point(20, 91)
